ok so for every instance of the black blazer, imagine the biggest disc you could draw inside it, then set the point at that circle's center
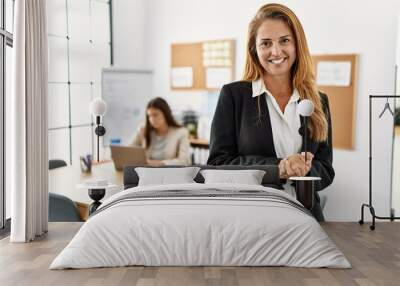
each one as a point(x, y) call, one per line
point(239, 136)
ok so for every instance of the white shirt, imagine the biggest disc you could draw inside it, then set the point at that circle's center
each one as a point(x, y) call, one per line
point(285, 125)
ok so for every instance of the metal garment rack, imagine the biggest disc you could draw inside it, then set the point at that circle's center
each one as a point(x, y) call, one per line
point(369, 205)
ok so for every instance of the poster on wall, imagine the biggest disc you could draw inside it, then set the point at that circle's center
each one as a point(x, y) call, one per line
point(216, 77)
point(330, 73)
point(182, 77)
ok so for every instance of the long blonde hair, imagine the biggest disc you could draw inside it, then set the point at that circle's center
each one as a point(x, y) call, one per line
point(303, 78)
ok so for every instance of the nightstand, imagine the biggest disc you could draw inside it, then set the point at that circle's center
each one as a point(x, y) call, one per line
point(96, 191)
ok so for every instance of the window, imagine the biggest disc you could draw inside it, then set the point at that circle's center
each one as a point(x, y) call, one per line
point(79, 47)
point(6, 42)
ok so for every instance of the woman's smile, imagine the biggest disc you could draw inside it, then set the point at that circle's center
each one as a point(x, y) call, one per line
point(278, 61)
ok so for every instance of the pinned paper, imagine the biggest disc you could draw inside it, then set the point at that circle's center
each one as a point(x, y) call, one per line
point(217, 77)
point(334, 73)
point(182, 77)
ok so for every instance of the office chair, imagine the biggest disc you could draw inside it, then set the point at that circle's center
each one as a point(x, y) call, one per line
point(61, 208)
point(56, 163)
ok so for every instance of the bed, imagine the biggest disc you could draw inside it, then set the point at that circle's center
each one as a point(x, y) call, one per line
point(201, 224)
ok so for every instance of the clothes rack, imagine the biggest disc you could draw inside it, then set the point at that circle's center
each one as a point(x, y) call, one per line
point(370, 205)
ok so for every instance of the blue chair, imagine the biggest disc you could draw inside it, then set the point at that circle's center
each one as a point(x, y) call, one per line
point(61, 208)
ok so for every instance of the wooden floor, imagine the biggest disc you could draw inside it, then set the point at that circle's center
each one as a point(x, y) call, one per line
point(374, 255)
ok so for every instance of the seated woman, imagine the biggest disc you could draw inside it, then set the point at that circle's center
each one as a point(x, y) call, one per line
point(166, 141)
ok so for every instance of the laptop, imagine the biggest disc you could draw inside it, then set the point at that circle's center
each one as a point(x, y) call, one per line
point(127, 156)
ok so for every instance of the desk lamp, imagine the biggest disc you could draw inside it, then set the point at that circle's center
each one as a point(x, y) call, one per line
point(98, 108)
point(306, 109)
point(305, 185)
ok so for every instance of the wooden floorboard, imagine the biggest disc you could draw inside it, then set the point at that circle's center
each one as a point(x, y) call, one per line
point(374, 255)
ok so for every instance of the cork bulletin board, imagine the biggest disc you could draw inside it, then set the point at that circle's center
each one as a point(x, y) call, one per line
point(202, 65)
point(340, 85)
point(194, 64)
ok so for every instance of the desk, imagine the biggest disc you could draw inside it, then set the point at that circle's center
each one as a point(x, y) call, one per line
point(64, 180)
point(199, 143)
point(199, 150)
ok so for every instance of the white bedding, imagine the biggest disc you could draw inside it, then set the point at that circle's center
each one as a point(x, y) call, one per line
point(224, 231)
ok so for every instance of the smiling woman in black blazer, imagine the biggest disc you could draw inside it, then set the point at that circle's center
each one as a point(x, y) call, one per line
point(256, 120)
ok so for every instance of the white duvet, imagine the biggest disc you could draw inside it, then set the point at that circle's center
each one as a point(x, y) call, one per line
point(200, 231)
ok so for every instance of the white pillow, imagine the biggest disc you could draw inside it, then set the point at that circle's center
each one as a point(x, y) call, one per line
point(163, 176)
point(248, 177)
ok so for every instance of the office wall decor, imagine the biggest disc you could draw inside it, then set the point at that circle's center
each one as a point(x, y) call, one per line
point(336, 76)
point(126, 93)
point(202, 65)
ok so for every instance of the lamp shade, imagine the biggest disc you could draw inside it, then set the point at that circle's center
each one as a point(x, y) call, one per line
point(98, 107)
point(306, 107)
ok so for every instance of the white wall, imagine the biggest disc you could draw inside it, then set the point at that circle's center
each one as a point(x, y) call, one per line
point(129, 34)
point(332, 26)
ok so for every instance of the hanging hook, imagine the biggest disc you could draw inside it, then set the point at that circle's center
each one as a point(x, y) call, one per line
point(387, 107)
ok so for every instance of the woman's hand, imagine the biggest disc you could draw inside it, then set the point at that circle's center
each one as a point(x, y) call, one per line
point(295, 166)
point(282, 169)
point(154, 163)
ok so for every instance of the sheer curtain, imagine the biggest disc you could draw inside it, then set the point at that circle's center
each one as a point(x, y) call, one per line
point(28, 157)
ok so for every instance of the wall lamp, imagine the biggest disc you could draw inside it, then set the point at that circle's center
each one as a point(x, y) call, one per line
point(98, 108)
